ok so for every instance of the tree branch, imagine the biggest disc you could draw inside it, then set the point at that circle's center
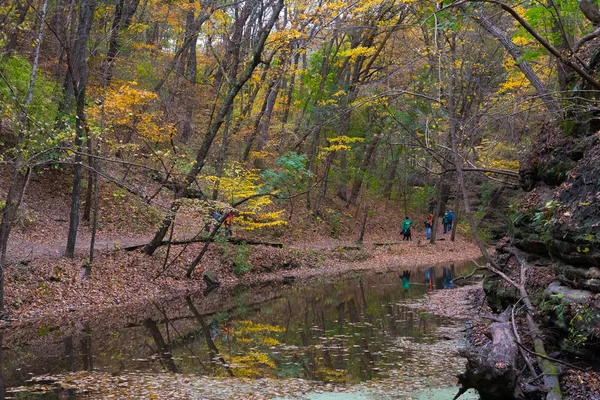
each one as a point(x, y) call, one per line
point(553, 50)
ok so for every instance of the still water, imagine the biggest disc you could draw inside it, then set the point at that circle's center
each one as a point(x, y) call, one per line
point(370, 334)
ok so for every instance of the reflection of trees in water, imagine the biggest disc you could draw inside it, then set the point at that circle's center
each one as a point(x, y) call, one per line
point(86, 348)
point(166, 347)
point(164, 350)
point(367, 335)
point(214, 351)
point(345, 330)
point(69, 356)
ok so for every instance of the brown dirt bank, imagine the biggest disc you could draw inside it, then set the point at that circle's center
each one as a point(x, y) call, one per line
point(48, 292)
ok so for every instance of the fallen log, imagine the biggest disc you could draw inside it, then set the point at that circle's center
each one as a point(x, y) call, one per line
point(550, 372)
point(492, 369)
point(204, 240)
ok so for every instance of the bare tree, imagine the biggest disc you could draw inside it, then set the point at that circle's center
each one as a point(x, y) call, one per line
point(77, 62)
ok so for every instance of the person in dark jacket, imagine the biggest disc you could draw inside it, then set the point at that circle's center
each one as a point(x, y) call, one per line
point(406, 228)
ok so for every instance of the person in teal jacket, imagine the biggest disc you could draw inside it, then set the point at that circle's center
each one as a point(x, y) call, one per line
point(406, 228)
point(445, 220)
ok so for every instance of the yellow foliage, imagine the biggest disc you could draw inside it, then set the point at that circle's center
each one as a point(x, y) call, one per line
point(331, 375)
point(262, 154)
point(249, 326)
point(335, 147)
point(514, 79)
point(346, 139)
point(248, 365)
point(356, 52)
point(271, 342)
point(495, 154)
point(125, 109)
point(238, 183)
point(522, 41)
point(340, 143)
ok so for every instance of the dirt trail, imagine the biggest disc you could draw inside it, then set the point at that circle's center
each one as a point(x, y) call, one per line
point(21, 249)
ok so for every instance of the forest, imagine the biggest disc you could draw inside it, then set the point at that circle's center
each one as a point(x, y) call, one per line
point(132, 134)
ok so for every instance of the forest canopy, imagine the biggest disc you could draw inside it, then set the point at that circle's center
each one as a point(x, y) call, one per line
point(246, 102)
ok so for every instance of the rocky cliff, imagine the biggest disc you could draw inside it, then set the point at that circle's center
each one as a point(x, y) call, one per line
point(556, 227)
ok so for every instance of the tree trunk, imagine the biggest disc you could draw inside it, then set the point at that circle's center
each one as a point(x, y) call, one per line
point(342, 190)
point(257, 123)
point(456, 220)
point(323, 190)
point(390, 174)
point(78, 67)
point(87, 210)
point(69, 355)
point(124, 11)
point(22, 9)
point(222, 156)
point(290, 90)
point(192, 75)
point(75, 200)
point(362, 229)
point(438, 208)
point(263, 129)
point(589, 8)
point(94, 216)
point(523, 65)
point(364, 167)
point(9, 216)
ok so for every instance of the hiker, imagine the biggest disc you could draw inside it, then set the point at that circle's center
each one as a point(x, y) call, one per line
point(445, 222)
point(228, 223)
point(406, 228)
point(216, 215)
point(427, 230)
point(450, 220)
point(428, 227)
point(209, 224)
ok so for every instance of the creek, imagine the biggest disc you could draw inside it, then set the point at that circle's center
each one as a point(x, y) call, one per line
point(361, 336)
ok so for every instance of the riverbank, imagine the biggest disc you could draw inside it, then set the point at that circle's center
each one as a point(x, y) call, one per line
point(48, 290)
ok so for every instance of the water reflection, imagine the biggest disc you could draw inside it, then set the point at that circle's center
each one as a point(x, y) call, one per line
point(348, 330)
point(406, 280)
point(447, 278)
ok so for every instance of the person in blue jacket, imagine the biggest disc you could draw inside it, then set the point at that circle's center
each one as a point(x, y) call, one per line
point(450, 220)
